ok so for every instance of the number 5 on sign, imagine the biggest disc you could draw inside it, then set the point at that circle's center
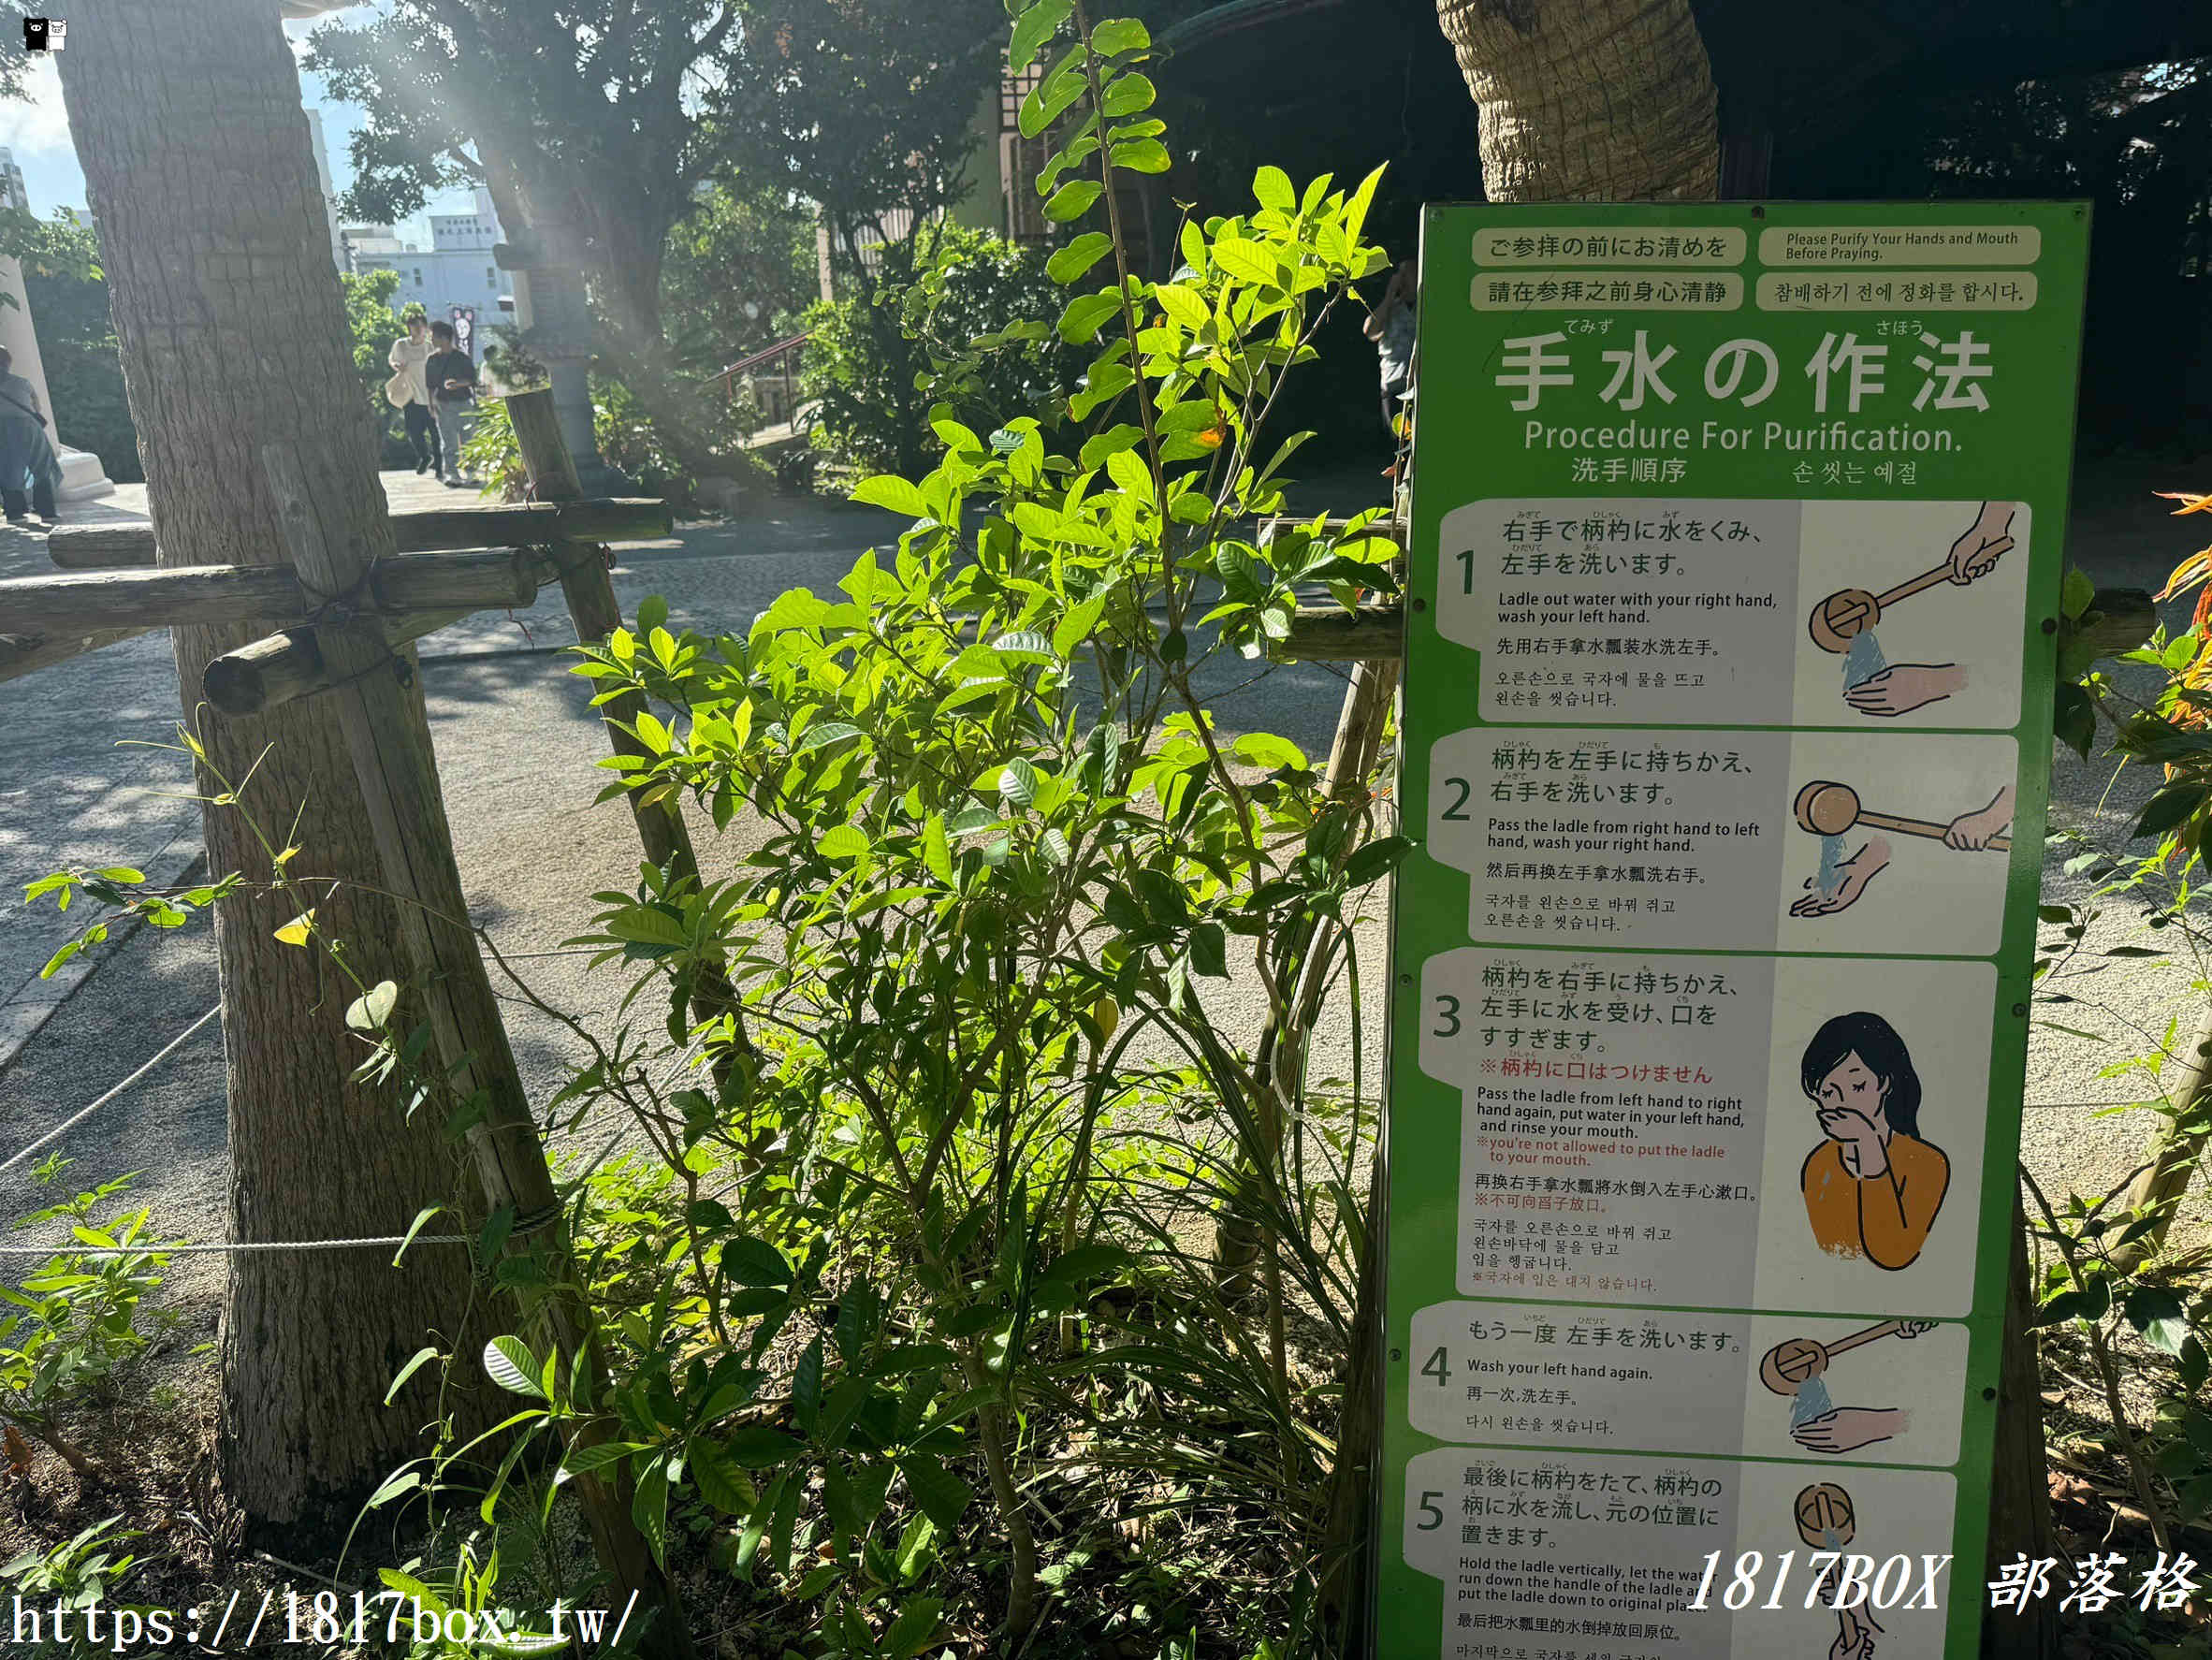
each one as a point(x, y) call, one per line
point(1429, 1510)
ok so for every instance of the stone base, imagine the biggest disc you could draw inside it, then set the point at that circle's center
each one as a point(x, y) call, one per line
point(83, 476)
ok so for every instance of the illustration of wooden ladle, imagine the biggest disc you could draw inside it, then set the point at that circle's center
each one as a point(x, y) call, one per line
point(1795, 1362)
point(1831, 810)
point(1850, 611)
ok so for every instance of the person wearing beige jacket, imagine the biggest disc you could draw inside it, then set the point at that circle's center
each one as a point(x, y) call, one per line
point(410, 357)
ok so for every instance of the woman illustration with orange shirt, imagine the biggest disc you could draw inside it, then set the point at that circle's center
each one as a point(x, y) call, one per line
point(1872, 1188)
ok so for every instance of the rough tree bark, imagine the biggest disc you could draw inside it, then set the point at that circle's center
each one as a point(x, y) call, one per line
point(188, 123)
point(1589, 100)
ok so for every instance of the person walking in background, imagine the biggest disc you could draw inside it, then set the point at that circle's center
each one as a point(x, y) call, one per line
point(1391, 326)
point(452, 379)
point(409, 389)
point(26, 453)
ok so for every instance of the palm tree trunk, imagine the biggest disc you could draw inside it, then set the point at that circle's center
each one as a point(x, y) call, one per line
point(1589, 100)
point(233, 332)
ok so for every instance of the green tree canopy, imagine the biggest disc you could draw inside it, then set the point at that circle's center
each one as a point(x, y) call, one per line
point(864, 107)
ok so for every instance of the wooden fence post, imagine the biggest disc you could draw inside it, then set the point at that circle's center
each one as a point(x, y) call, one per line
point(596, 612)
point(414, 845)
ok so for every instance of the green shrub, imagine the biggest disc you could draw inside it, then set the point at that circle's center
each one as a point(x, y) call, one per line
point(626, 438)
point(939, 295)
point(68, 298)
point(74, 1322)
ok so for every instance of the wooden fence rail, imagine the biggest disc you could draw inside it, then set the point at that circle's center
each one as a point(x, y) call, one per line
point(83, 601)
point(417, 529)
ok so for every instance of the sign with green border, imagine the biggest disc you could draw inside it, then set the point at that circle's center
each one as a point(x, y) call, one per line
point(1733, 600)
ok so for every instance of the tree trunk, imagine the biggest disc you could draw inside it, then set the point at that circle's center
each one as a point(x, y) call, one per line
point(233, 332)
point(1589, 100)
point(624, 285)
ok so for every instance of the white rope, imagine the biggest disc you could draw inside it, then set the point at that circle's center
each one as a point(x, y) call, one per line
point(223, 1250)
point(79, 1118)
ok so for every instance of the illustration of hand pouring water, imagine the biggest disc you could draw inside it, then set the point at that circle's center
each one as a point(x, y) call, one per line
point(1830, 810)
point(1844, 623)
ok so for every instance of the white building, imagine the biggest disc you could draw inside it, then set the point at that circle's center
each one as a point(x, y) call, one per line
point(455, 277)
point(12, 194)
point(315, 137)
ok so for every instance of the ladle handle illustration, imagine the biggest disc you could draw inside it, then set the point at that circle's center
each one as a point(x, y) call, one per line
point(1792, 1362)
point(1843, 1344)
point(1828, 809)
point(1841, 618)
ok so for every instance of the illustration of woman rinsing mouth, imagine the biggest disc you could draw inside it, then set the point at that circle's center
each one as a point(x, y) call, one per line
point(1873, 1187)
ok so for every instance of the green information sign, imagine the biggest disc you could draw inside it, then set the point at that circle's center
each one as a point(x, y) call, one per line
point(1735, 577)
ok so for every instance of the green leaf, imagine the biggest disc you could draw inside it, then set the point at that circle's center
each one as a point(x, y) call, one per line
point(937, 848)
point(2170, 807)
point(1266, 749)
point(1209, 951)
point(1187, 307)
point(1077, 257)
point(1376, 859)
point(941, 1496)
point(648, 1507)
point(719, 1480)
point(643, 925)
point(509, 1363)
point(401, 1481)
point(123, 873)
point(853, 1496)
point(917, 1547)
point(749, 1261)
point(2159, 1315)
point(1050, 97)
point(1142, 155)
point(1273, 188)
point(1032, 30)
point(372, 1008)
point(415, 1363)
point(582, 1461)
point(1247, 261)
point(888, 490)
point(1085, 1263)
point(1072, 201)
point(2078, 593)
point(1098, 449)
point(1017, 782)
point(1117, 35)
point(2074, 718)
point(1126, 95)
point(758, 1447)
point(1026, 645)
point(1101, 386)
point(911, 1630)
point(1077, 626)
point(843, 842)
point(1086, 315)
point(824, 734)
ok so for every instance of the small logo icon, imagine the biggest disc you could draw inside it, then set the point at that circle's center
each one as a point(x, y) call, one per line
point(44, 34)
